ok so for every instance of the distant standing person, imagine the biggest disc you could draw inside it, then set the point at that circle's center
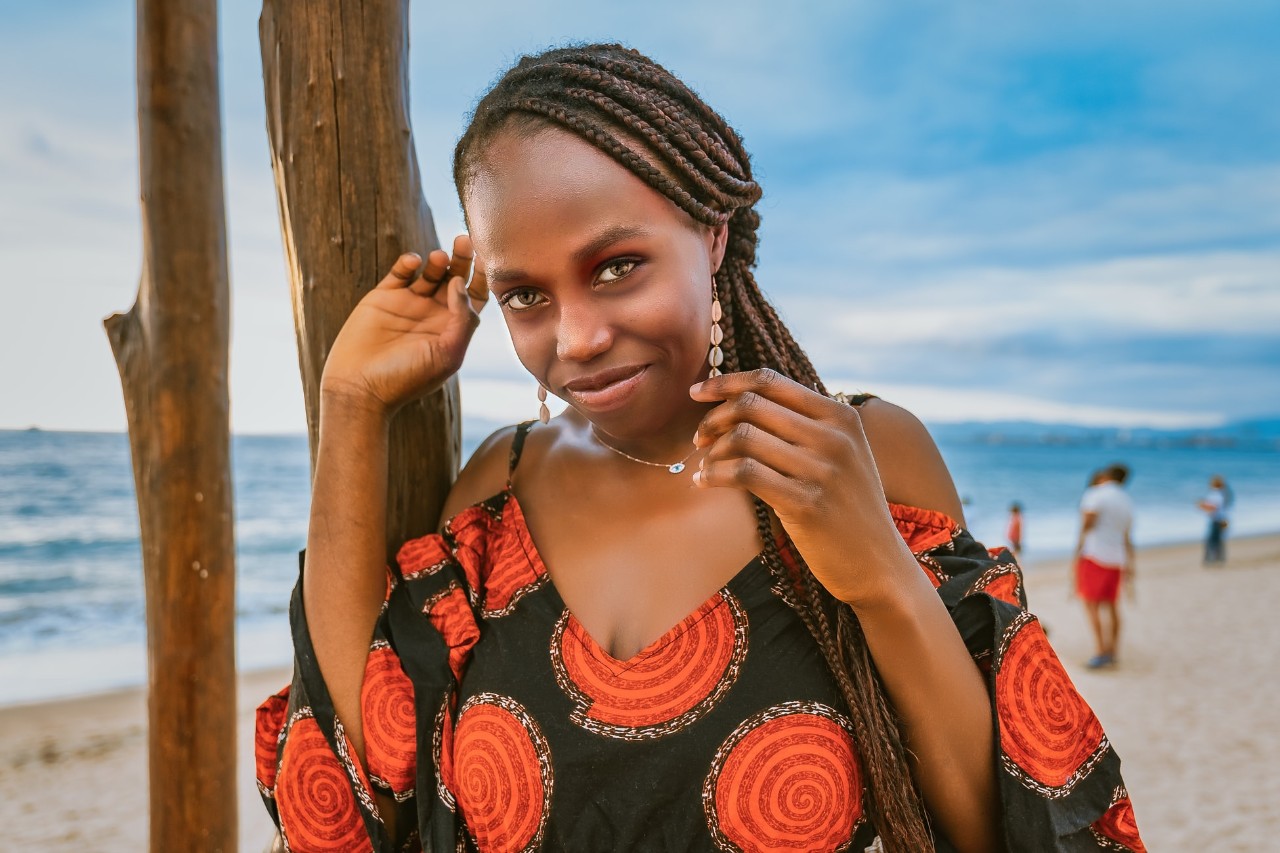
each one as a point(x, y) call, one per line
point(1104, 556)
point(1014, 533)
point(1217, 503)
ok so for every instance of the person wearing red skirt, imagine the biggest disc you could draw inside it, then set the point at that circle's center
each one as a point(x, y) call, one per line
point(1104, 558)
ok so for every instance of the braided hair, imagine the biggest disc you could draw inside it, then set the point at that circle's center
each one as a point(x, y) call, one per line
point(646, 119)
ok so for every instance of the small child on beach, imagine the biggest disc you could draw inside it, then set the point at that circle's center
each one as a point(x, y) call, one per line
point(1014, 532)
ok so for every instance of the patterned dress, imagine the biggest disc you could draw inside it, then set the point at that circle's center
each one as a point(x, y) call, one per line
point(497, 723)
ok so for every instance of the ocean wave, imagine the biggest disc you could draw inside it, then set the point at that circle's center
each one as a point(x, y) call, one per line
point(73, 548)
point(71, 579)
point(16, 590)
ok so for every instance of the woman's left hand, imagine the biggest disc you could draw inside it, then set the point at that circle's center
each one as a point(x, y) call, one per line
point(807, 457)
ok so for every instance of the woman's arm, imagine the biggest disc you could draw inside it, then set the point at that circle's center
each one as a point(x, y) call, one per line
point(936, 688)
point(812, 460)
point(344, 578)
point(402, 341)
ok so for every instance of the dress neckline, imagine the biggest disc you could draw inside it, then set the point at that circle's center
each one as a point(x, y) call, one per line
point(921, 528)
point(708, 605)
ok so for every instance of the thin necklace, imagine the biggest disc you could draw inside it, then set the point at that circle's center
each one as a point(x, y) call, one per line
point(672, 468)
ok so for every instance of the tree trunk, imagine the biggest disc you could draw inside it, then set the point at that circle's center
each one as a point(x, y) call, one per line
point(350, 197)
point(171, 349)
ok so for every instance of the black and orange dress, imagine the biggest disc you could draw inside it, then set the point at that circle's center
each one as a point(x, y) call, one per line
point(497, 723)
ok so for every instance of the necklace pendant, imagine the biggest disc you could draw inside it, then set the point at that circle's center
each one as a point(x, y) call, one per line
point(676, 468)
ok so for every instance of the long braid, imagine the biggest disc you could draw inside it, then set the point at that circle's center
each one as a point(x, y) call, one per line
point(647, 120)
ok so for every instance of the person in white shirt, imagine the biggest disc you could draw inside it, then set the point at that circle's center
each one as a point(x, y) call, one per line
point(1104, 556)
point(1217, 503)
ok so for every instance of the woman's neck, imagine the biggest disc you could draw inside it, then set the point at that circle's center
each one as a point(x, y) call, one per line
point(670, 443)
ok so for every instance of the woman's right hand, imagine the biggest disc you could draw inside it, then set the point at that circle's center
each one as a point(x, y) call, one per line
point(408, 335)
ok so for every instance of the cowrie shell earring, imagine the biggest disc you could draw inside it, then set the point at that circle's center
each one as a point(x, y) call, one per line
point(716, 357)
point(544, 414)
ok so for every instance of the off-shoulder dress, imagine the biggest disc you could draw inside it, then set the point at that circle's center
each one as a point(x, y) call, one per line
point(496, 722)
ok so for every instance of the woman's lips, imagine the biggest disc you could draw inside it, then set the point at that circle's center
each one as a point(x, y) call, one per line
point(608, 389)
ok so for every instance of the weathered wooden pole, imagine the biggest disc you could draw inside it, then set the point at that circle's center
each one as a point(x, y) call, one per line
point(350, 198)
point(171, 348)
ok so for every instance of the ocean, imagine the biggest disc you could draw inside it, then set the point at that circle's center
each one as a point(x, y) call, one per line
point(71, 591)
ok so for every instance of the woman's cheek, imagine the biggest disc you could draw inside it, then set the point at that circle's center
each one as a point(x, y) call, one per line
point(534, 345)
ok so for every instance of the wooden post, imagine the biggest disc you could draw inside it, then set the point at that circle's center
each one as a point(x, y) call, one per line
point(350, 199)
point(171, 349)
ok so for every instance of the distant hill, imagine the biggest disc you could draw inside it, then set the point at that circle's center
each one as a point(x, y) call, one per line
point(1252, 434)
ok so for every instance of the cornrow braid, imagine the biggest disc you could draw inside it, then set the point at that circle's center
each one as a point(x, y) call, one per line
point(653, 125)
point(635, 105)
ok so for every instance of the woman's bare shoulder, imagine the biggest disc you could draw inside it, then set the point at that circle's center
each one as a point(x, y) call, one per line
point(484, 475)
point(911, 467)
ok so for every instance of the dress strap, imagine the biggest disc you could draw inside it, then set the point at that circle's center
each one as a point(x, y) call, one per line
point(857, 400)
point(854, 400)
point(517, 447)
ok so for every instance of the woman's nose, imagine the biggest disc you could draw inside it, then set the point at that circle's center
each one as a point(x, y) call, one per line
point(582, 333)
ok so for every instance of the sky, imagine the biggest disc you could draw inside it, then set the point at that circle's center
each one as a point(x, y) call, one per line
point(1064, 212)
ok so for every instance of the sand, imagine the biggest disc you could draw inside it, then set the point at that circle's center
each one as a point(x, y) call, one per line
point(73, 772)
point(1193, 708)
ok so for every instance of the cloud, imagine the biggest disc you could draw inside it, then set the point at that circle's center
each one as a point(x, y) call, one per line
point(1091, 205)
point(1226, 293)
point(1152, 334)
point(942, 404)
point(1022, 210)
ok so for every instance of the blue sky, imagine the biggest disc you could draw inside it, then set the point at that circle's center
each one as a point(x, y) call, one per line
point(1053, 211)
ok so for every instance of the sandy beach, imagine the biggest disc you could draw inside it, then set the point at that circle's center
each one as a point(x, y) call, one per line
point(1191, 708)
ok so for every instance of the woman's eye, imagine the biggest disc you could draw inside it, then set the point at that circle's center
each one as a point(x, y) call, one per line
point(520, 299)
point(615, 270)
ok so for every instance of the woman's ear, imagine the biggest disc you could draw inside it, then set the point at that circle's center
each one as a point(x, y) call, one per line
point(718, 237)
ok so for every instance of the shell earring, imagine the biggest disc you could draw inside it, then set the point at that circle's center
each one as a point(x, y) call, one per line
point(544, 414)
point(716, 357)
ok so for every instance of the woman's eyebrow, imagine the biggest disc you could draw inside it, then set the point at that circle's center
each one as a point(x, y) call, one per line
point(584, 253)
point(504, 276)
point(607, 238)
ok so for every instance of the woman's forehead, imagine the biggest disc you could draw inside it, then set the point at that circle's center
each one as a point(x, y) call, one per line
point(547, 167)
point(527, 189)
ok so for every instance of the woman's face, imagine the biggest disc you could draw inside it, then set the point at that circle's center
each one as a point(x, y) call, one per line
point(605, 285)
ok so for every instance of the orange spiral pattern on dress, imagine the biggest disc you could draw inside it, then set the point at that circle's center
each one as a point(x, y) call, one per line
point(1005, 588)
point(469, 532)
point(318, 809)
point(269, 721)
point(1119, 826)
point(423, 557)
point(450, 613)
point(501, 774)
point(932, 570)
point(442, 752)
point(922, 529)
point(515, 569)
point(786, 779)
point(390, 722)
point(1046, 729)
point(662, 689)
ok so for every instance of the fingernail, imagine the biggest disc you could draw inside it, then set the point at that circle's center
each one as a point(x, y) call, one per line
point(697, 477)
point(695, 388)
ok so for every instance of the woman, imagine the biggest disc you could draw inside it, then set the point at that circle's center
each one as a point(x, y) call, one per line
point(723, 637)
